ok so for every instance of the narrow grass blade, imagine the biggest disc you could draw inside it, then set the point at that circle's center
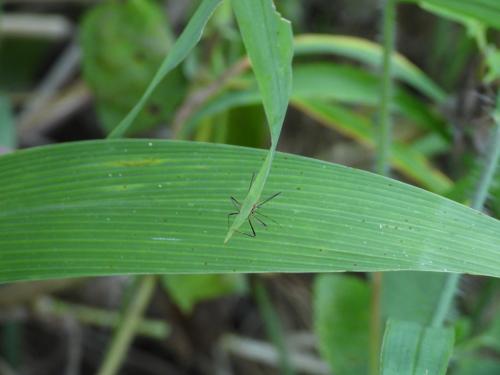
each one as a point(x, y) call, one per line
point(7, 126)
point(406, 159)
point(368, 53)
point(486, 12)
point(268, 40)
point(316, 80)
point(186, 42)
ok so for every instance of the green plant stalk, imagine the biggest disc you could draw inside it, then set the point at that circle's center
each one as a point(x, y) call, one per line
point(384, 133)
point(382, 164)
point(272, 325)
point(156, 329)
point(11, 340)
point(131, 318)
point(479, 197)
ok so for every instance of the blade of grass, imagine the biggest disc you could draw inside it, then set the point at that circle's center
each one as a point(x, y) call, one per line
point(273, 326)
point(383, 137)
point(181, 48)
point(491, 165)
point(268, 40)
point(128, 325)
point(315, 81)
point(156, 329)
point(368, 53)
point(404, 158)
point(7, 126)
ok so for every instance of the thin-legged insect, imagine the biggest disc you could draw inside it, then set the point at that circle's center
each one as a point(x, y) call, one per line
point(253, 213)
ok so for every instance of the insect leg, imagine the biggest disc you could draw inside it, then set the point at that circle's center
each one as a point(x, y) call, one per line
point(267, 217)
point(229, 215)
point(260, 221)
point(236, 203)
point(251, 181)
point(251, 226)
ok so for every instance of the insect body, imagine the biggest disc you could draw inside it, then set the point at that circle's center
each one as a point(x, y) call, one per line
point(254, 214)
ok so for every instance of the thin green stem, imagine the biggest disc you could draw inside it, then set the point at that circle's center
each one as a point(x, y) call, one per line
point(273, 326)
point(384, 133)
point(478, 198)
point(157, 329)
point(446, 299)
point(375, 322)
point(132, 315)
point(382, 166)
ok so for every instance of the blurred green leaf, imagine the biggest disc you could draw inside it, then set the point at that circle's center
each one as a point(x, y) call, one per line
point(411, 296)
point(409, 348)
point(123, 44)
point(493, 64)
point(247, 127)
point(330, 81)
point(410, 162)
point(486, 12)
point(7, 126)
point(368, 53)
point(341, 322)
point(181, 48)
point(477, 366)
point(188, 290)
point(475, 15)
point(149, 206)
point(491, 336)
point(21, 58)
point(268, 40)
point(353, 85)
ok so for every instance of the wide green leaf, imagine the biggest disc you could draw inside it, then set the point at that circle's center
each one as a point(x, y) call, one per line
point(410, 349)
point(341, 322)
point(149, 206)
point(268, 41)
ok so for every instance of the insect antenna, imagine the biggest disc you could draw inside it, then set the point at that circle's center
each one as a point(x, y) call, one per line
point(268, 199)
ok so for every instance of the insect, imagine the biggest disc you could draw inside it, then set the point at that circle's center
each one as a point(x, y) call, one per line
point(254, 214)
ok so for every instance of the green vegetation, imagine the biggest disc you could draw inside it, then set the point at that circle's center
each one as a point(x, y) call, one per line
point(185, 122)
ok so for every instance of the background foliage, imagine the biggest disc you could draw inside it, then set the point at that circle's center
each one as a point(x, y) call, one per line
point(222, 72)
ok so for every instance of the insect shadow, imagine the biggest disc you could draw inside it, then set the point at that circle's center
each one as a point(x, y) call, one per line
point(254, 214)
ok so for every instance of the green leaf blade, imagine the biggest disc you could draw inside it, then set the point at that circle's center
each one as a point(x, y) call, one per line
point(148, 206)
point(268, 40)
point(342, 315)
point(409, 349)
point(368, 53)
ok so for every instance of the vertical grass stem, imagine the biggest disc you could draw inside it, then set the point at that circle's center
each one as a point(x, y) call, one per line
point(479, 196)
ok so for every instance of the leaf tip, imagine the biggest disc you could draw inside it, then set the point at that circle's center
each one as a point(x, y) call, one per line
point(228, 236)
